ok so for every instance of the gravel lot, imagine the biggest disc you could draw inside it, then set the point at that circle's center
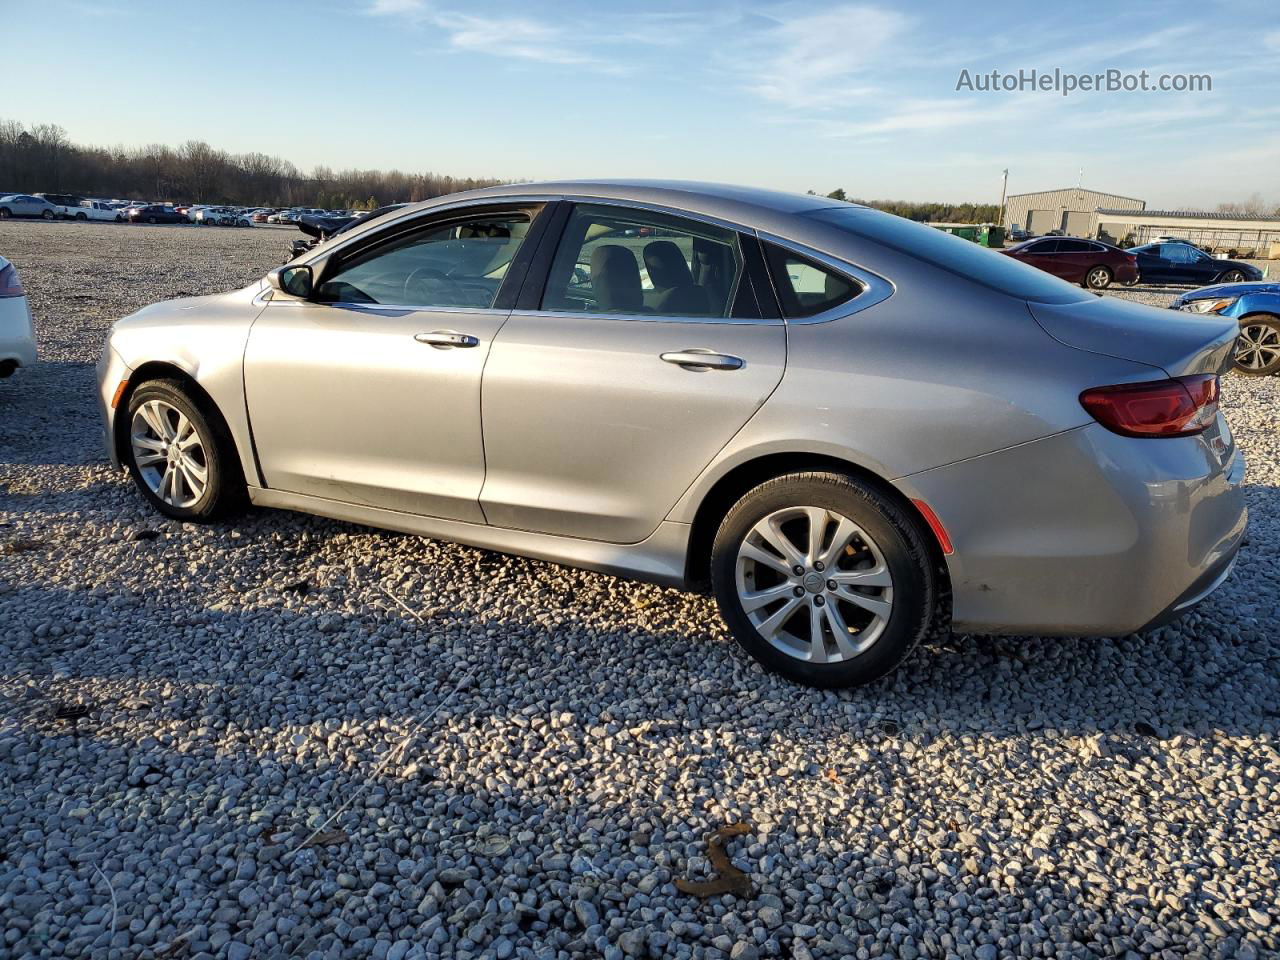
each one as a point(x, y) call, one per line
point(510, 758)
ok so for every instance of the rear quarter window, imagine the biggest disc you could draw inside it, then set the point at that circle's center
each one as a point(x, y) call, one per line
point(953, 254)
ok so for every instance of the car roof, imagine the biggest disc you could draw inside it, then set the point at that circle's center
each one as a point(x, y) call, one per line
point(727, 201)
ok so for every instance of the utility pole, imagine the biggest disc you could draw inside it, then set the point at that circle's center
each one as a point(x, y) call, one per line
point(1004, 186)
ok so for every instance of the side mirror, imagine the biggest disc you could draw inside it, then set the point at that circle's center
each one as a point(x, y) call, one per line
point(293, 281)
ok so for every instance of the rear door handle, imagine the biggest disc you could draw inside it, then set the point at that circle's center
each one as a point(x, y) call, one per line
point(447, 338)
point(699, 359)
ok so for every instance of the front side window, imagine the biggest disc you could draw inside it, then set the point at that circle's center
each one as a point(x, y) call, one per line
point(805, 287)
point(614, 260)
point(461, 263)
point(1179, 253)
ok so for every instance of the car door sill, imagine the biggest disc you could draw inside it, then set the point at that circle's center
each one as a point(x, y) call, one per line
point(659, 558)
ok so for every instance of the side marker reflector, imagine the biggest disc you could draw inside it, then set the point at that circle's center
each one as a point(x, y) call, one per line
point(115, 400)
point(936, 526)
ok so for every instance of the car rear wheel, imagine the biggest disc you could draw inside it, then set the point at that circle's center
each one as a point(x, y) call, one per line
point(823, 579)
point(47, 214)
point(181, 458)
point(81, 216)
point(1232, 276)
point(5, 213)
point(1098, 278)
point(151, 219)
point(1258, 346)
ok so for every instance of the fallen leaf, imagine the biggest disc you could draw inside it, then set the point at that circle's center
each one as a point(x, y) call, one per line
point(730, 879)
point(326, 838)
point(21, 546)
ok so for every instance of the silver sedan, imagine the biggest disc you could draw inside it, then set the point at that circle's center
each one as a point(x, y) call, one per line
point(854, 429)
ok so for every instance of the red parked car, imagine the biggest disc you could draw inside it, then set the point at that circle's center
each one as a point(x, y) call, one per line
point(1090, 263)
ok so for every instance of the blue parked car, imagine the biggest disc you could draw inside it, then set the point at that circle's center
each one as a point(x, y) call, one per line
point(1173, 261)
point(1257, 307)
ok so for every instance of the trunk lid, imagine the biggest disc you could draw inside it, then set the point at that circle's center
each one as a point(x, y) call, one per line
point(1179, 342)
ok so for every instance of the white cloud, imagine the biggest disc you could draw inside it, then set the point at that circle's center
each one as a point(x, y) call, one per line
point(513, 37)
point(398, 7)
point(817, 58)
point(1272, 40)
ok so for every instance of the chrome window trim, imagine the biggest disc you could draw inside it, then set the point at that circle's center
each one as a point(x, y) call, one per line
point(648, 318)
point(876, 289)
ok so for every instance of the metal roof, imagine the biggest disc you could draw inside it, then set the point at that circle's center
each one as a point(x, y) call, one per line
point(1104, 193)
point(1189, 214)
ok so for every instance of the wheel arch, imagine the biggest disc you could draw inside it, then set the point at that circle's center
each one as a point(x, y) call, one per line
point(167, 370)
point(734, 484)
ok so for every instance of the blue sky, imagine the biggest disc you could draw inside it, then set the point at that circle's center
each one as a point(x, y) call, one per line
point(795, 95)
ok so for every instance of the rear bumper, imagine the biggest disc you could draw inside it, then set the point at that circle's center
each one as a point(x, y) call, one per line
point(1199, 591)
point(1126, 273)
point(1087, 532)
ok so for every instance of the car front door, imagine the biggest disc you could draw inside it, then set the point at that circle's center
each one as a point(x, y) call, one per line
point(368, 392)
point(638, 351)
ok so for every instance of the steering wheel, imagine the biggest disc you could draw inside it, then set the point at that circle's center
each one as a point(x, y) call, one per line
point(423, 273)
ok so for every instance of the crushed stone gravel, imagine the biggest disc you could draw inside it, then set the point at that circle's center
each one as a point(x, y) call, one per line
point(183, 707)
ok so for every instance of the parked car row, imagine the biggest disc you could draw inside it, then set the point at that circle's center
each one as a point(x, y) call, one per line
point(1096, 265)
point(59, 206)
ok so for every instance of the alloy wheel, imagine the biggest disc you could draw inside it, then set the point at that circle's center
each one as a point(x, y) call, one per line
point(169, 453)
point(1258, 346)
point(814, 584)
point(1098, 278)
point(1235, 276)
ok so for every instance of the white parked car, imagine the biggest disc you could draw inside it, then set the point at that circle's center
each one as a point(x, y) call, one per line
point(221, 217)
point(17, 333)
point(94, 210)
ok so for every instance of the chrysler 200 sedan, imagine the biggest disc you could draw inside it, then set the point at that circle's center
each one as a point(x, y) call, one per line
point(855, 429)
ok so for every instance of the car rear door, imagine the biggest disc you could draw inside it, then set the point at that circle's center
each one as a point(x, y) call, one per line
point(369, 392)
point(638, 349)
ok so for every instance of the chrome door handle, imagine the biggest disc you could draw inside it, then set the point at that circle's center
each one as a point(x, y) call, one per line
point(447, 338)
point(700, 359)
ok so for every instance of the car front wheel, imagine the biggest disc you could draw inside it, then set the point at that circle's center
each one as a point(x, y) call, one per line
point(1098, 278)
point(1232, 276)
point(47, 214)
point(181, 458)
point(1258, 346)
point(823, 579)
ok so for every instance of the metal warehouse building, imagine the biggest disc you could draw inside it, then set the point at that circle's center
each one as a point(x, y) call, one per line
point(1233, 234)
point(1071, 210)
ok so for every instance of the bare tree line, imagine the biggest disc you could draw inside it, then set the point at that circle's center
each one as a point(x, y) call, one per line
point(42, 158)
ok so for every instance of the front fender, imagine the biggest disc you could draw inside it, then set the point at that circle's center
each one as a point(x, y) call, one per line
point(201, 339)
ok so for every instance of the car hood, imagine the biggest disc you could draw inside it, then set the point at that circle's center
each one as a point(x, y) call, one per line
point(1230, 290)
point(187, 310)
point(1179, 342)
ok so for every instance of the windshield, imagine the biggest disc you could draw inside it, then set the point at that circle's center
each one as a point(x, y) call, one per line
point(953, 254)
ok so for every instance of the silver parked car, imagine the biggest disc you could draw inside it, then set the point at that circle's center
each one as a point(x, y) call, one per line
point(854, 428)
point(25, 205)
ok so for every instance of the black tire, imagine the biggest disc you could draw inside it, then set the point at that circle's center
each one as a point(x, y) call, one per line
point(1232, 276)
point(899, 539)
point(81, 216)
point(151, 219)
point(46, 215)
point(1098, 277)
point(5, 213)
point(1263, 329)
point(224, 493)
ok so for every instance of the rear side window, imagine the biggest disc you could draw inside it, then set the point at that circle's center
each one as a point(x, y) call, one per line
point(805, 287)
point(616, 260)
point(953, 254)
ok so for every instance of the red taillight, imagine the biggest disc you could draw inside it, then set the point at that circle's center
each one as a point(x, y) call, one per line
point(1160, 408)
point(10, 285)
point(1131, 258)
